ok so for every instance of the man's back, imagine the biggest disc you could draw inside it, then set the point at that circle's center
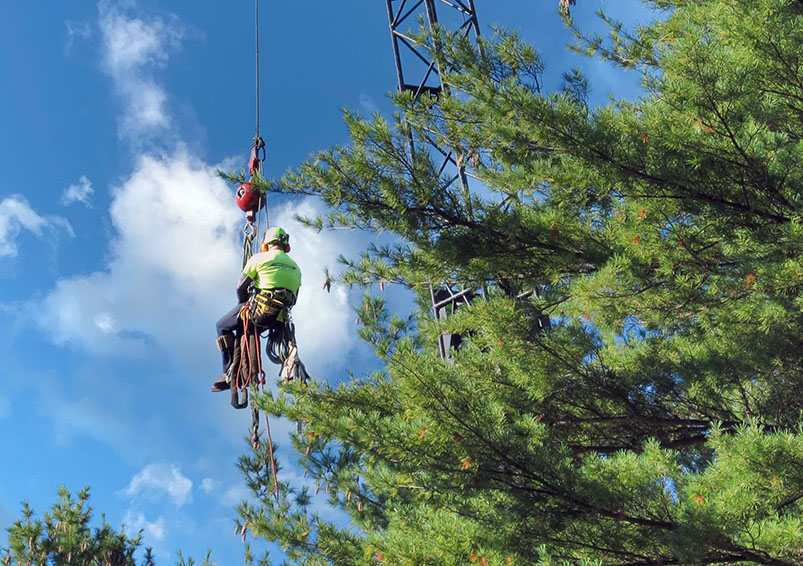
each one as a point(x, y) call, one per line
point(273, 269)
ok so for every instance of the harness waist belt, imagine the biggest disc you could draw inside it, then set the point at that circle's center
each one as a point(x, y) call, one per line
point(267, 303)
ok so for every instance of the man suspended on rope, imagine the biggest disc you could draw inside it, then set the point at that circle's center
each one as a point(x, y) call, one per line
point(271, 279)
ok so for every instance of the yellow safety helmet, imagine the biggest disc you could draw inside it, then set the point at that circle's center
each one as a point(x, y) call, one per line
point(276, 235)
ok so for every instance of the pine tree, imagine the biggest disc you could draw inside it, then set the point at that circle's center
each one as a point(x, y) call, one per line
point(65, 536)
point(657, 422)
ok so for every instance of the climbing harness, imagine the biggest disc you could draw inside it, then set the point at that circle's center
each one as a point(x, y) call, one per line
point(267, 305)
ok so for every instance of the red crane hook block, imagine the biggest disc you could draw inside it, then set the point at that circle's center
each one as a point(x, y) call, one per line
point(248, 198)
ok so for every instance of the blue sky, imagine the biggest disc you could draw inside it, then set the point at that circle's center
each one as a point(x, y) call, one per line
point(119, 245)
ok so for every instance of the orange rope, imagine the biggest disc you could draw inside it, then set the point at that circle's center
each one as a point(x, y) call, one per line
point(245, 349)
point(239, 383)
point(272, 461)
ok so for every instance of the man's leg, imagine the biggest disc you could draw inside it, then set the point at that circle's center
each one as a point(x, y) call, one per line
point(228, 324)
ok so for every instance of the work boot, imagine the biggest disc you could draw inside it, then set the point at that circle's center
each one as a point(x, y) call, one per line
point(221, 384)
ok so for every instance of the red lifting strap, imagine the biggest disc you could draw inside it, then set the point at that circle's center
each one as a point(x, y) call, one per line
point(253, 162)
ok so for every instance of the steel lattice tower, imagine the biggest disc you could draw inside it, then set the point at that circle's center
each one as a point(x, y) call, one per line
point(404, 15)
point(417, 71)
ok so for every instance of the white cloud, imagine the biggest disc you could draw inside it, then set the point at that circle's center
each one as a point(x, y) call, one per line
point(82, 417)
point(78, 192)
point(133, 48)
point(104, 322)
point(17, 215)
point(175, 255)
point(227, 493)
point(156, 480)
point(134, 522)
point(236, 495)
point(81, 30)
point(368, 104)
point(174, 262)
point(132, 42)
point(146, 108)
point(175, 252)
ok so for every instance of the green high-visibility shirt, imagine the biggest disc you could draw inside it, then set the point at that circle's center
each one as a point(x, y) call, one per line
point(273, 269)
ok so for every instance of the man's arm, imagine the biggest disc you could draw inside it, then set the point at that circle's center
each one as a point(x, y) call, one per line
point(242, 287)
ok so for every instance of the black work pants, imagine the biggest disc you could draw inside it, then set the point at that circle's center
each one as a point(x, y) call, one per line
point(229, 323)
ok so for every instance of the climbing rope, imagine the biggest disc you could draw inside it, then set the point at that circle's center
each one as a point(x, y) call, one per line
point(281, 347)
point(255, 169)
point(279, 344)
point(282, 350)
point(256, 58)
point(249, 367)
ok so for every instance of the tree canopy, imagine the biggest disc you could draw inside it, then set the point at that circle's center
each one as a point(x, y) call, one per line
point(657, 421)
point(65, 535)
